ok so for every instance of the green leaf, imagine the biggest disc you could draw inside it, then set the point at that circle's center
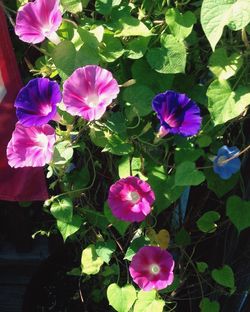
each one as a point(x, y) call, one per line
point(63, 152)
point(62, 209)
point(135, 245)
point(120, 226)
point(131, 26)
point(105, 7)
point(219, 186)
point(72, 6)
point(88, 38)
point(204, 140)
point(187, 174)
point(180, 25)
point(96, 218)
point(170, 58)
point(207, 305)
point(124, 167)
point(201, 266)
point(140, 97)
point(63, 56)
point(224, 276)
point(111, 48)
point(238, 211)
point(215, 14)
point(182, 238)
point(105, 250)
point(225, 104)
point(187, 154)
point(145, 75)
point(90, 262)
point(121, 299)
point(69, 228)
point(166, 192)
point(224, 67)
point(137, 47)
point(147, 302)
point(206, 223)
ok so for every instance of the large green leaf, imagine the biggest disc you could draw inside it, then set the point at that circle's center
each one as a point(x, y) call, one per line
point(131, 26)
point(222, 66)
point(215, 14)
point(69, 228)
point(105, 6)
point(62, 209)
point(238, 212)
point(121, 299)
point(225, 104)
point(121, 226)
point(148, 301)
point(73, 6)
point(63, 152)
point(111, 48)
point(137, 47)
point(187, 174)
point(90, 261)
point(224, 276)
point(105, 250)
point(140, 97)
point(170, 58)
point(207, 305)
point(180, 24)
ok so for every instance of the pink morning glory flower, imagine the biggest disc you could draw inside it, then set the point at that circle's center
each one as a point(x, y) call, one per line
point(152, 268)
point(88, 92)
point(37, 20)
point(36, 102)
point(31, 147)
point(130, 199)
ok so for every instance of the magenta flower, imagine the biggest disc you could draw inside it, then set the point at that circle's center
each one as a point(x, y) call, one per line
point(37, 20)
point(177, 113)
point(36, 102)
point(31, 147)
point(130, 199)
point(152, 268)
point(88, 92)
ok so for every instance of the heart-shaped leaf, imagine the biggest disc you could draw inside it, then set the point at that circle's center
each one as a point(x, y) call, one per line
point(187, 174)
point(62, 209)
point(147, 302)
point(238, 211)
point(206, 223)
point(90, 261)
point(121, 299)
point(209, 306)
point(224, 276)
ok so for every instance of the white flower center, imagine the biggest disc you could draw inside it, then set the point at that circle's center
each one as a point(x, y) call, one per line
point(133, 197)
point(93, 100)
point(45, 109)
point(221, 160)
point(42, 140)
point(46, 30)
point(155, 269)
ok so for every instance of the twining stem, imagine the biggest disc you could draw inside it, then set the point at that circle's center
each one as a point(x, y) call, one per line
point(236, 155)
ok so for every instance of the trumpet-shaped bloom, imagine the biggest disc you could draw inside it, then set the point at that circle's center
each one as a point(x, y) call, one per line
point(225, 169)
point(88, 92)
point(31, 147)
point(37, 20)
point(36, 102)
point(152, 268)
point(178, 114)
point(130, 199)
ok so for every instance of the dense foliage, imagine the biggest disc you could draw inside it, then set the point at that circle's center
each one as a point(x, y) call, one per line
point(199, 48)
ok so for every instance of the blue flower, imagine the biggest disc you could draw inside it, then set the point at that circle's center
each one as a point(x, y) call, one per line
point(226, 169)
point(177, 113)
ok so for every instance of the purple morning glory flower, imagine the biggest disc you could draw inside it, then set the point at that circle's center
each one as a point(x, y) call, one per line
point(226, 169)
point(36, 102)
point(178, 114)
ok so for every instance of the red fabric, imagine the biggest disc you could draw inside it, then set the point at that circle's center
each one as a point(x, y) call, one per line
point(23, 184)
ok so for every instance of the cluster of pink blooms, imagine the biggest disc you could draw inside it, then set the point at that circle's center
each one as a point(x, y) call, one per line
point(86, 93)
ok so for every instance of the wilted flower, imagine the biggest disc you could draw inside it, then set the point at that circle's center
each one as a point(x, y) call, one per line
point(224, 168)
point(37, 20)
point(31, 147)
point(88, 92)
point(130, 199)
point(178, 114)
point(36, 102)
point(152, 268)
